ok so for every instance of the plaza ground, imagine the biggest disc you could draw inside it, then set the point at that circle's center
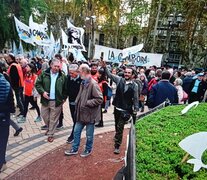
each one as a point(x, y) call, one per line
point(32, 144)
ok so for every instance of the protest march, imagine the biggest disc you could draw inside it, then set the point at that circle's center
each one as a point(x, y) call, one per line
point(73, 105)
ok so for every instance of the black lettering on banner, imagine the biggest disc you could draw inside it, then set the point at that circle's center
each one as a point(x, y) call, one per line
point(120, 57)
point(111, 55)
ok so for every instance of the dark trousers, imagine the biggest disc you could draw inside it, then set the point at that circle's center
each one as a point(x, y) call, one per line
point(27, 100)
point(4, 135)
point(193, 97)
point(61, 117)
point(101, 121)
point(72, 111)
point(119, 127)
point(19, 99)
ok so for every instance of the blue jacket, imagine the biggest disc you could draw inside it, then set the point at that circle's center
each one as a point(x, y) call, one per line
point(160, 92)
point(6, 96)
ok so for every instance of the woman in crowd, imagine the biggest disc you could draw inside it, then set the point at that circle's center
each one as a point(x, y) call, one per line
point(104, 89)
point(144, 90)
point(178, 84)
point(30, 93)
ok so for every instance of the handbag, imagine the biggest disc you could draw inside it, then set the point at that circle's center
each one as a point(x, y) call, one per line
point(185, 96)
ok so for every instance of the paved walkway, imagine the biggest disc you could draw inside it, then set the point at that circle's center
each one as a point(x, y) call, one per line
point(32, 143)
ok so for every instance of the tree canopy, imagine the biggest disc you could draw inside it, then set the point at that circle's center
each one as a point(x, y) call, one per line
point(123, 22)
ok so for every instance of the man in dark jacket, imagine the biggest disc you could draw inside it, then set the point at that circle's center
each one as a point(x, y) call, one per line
point(6, 107)
point(73, 85)
point(3, 68)
point(88, 104)
point(52, 86)
point(126, 102)
point(187, 82)
point(17, 83)
point(161, 91)
point(197, 89)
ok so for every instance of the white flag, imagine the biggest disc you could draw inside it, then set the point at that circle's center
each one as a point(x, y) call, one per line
point(23, 31)
point(75, 36)
point(64, 38)
point(69, 24)
point(39, 34)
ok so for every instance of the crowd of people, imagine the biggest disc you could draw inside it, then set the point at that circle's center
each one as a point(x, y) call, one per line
point(91, 87)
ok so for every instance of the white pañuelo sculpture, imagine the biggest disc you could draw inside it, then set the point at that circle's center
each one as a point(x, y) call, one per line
point(190, 106)
point(195, 145)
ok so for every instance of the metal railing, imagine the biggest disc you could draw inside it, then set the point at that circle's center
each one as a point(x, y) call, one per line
point(128, 172)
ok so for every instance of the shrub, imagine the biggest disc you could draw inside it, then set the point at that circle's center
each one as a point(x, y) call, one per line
point(158, 155)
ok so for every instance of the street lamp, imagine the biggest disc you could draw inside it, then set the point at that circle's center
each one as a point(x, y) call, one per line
point(92, 19)
point(174, 21)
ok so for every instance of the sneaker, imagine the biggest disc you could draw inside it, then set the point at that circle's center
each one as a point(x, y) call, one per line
point(38, 119)
point(71, 152)
point(99, 125)
point(44, 127)
point(18, 131)
point(116, 151)
point(32, 108)
point(59, 127)
point(21, 119)
point(105, 111)
point(85, 153)
point(3, 168)
point(70, 140)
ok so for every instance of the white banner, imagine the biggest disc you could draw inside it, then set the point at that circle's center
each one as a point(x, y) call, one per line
point(131, 55)
point(75, 36)
point(34, 33)
point(77, 54)
point(23, 31)
point(38, 32)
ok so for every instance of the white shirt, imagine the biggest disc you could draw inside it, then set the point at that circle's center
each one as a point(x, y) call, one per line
point(53, 77)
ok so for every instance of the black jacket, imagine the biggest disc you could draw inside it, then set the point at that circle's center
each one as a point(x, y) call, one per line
point(201, 88)
point(73, 87)
point(124, 99)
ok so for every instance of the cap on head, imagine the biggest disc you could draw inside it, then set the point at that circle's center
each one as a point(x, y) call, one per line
point(200, 74)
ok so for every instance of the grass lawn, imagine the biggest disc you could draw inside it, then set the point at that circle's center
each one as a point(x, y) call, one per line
point(158, 155)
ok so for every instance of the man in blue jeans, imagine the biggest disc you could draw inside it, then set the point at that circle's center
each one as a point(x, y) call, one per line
point(87, 111)
point(6, 107)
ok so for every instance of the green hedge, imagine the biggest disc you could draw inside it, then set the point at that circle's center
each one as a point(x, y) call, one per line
point(158, 155)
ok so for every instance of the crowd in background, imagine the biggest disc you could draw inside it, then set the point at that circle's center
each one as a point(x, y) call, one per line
point(90, 88)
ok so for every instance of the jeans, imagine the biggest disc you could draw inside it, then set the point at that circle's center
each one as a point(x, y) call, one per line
point(4, 135)
point(14, 125)
point(107, 104)
point(72, 111)
point(89, 136)
point(19, 99)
